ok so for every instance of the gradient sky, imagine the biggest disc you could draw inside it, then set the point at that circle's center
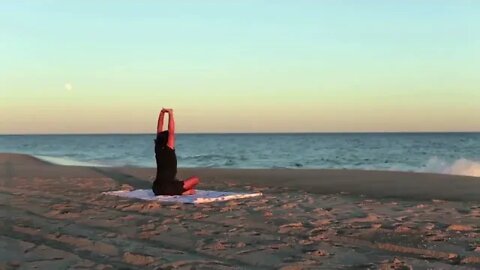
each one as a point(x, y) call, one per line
point(239, 66)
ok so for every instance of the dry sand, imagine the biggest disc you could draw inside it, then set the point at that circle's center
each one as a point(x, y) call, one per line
point(54, 217)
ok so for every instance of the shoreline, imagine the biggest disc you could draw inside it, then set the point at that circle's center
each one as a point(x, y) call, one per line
point(459, 167)
point(55, 217)
point(370, 183)
point(251, 133)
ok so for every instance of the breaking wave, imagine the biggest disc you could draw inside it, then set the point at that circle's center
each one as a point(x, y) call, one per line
point(458, 167)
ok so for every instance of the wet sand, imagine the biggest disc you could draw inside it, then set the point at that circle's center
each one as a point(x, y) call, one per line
point(54, 217)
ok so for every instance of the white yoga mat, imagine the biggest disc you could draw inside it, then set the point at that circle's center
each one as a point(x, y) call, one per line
point(202, 196)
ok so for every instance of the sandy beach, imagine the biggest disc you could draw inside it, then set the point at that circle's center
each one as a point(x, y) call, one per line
point(55, 217)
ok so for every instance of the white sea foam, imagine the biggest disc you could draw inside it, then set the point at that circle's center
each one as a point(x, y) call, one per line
point(67, 161)
point(457, 167)
point(434, 165)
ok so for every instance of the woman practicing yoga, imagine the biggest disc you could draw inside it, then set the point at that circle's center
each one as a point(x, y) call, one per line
point(165, 181)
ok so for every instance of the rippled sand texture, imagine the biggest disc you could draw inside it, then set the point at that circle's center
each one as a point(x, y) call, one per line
point(53, 217)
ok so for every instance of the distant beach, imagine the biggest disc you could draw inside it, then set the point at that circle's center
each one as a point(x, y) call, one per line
point(55, 217)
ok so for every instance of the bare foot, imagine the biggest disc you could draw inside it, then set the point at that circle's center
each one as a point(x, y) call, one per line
point(189, 192)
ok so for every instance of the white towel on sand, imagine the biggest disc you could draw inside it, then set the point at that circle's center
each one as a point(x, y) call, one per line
point(202, 196)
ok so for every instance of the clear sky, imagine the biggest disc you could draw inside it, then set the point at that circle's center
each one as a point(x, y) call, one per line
point(239, 65)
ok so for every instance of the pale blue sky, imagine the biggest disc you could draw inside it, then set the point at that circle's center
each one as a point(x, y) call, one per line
point(333, 65)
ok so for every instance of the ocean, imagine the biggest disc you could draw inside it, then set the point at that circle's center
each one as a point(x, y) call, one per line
point(447, 153)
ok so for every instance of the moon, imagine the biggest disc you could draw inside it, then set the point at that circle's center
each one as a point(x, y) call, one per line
point(68, 86)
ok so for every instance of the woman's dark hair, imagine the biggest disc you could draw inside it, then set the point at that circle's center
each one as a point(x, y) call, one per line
point(162, 138)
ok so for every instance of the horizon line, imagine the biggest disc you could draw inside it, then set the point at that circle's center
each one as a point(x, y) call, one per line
point(244, 133)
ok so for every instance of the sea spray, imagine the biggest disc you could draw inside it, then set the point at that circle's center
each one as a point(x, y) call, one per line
point(457, 167)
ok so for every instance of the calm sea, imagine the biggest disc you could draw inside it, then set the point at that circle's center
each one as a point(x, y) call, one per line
point(450, 153)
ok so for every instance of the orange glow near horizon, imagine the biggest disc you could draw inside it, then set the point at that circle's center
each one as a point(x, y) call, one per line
point(239, 66)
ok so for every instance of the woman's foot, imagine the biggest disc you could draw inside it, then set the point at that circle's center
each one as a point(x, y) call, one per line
point(190, 183)
point(189, 192)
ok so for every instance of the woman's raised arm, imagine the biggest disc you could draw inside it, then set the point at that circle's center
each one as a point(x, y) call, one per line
point(161, 117)
point(171, 129)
